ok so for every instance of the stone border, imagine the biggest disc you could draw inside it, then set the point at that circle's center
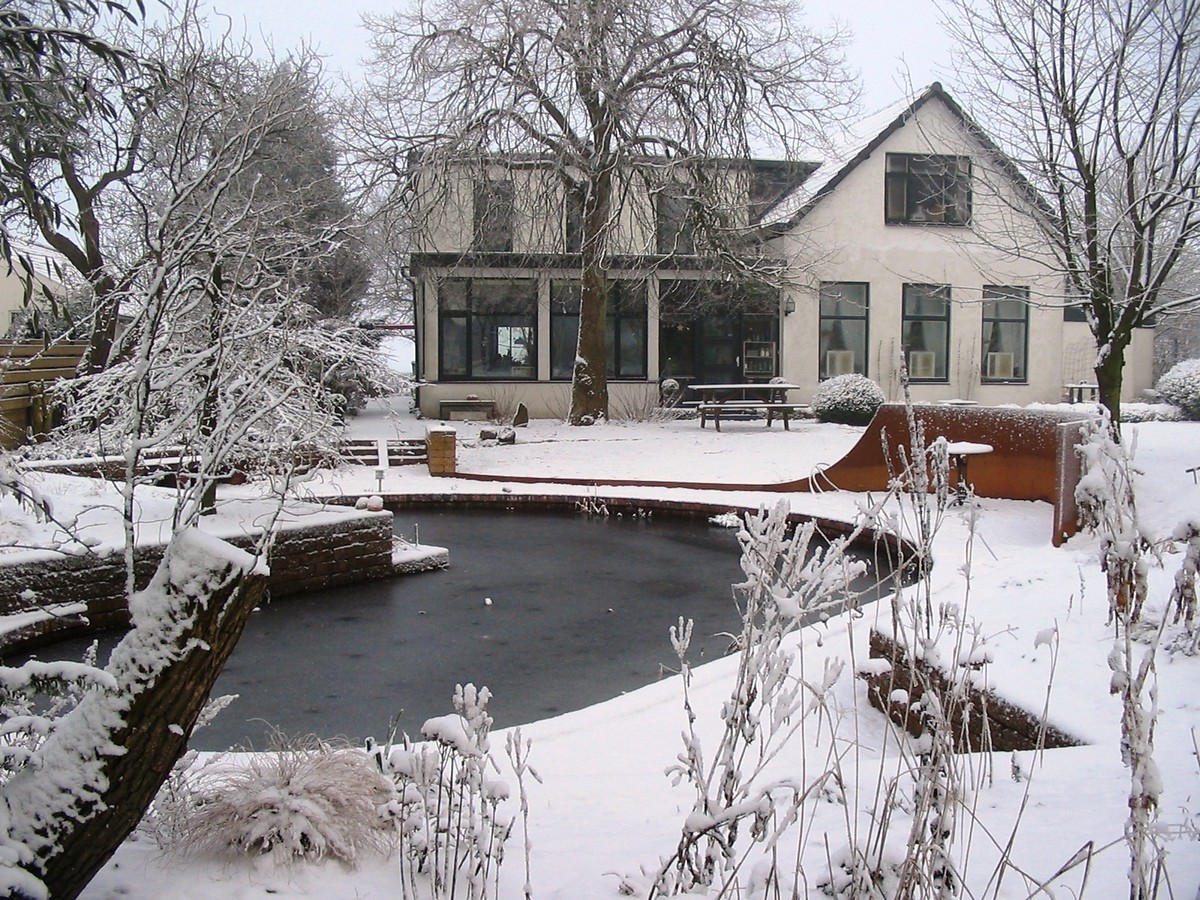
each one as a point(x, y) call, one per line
point(1008, 726)
point(899, 552)
point(302, 557)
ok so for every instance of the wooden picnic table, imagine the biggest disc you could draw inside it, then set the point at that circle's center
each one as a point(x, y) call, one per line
point(1076, 392)
point(766, 397)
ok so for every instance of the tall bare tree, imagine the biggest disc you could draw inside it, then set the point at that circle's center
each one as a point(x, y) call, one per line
point(1098, 103)
point(600, 92)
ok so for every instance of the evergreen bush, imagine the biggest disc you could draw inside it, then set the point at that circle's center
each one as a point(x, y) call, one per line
point(847, 400)
point(1180, 387)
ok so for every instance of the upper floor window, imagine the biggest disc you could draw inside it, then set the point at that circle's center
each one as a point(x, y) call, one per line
point(1005, 333)
point(927, 190)
point(493, 216)
point(675, 221)
point(925, 331)
point(573, 219)
point(843, 328)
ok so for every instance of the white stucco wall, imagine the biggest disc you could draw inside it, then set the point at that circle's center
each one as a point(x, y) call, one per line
point(845, 238)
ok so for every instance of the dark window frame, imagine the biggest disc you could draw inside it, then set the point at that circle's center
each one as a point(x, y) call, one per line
point(994, 294)
point(861, 362)
point(573, 209)
point(493, 208)
point(469, 319)
point(674, 222)
point(911, 294)
point(913, 182)
point(627, 305)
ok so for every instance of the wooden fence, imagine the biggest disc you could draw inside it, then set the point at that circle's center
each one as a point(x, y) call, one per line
point(27, 370)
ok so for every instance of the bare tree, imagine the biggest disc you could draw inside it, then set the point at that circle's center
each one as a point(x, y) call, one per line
point(217, 357)
point(1099, 105)
point(602, 94)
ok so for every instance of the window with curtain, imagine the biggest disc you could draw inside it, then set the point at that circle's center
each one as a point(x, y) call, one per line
point(675, 221)
point(493, 217)
point(1005, 333)
point(927, 190)
point(925, 331)
point(843, 341)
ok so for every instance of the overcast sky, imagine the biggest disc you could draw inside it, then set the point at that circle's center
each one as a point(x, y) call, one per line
point(889, 37)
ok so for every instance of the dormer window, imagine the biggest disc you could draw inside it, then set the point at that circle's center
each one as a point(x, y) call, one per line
point(927, 190)
point(493, 216)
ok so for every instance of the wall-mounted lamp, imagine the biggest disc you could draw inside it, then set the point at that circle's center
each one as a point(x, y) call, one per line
point(379, 480)
point(789, 306)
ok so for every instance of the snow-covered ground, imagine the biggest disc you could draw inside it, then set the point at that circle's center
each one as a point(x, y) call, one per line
point(604, 809)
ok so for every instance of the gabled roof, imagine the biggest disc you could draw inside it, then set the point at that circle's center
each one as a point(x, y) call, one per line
point(864, 137)
point(47, 264)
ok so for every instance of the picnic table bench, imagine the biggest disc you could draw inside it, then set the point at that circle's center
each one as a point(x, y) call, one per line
point(740, 400)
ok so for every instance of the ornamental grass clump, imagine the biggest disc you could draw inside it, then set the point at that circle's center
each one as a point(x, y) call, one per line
point(847, 400)
point(304, 800)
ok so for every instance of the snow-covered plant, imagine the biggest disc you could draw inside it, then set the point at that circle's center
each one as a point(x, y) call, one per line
point(1180, 386)
point(793, 579)
point(33, 699)
point(446, 803)
point(1132, 413)
point(850, 399)
point(304, 799)
point(1105, 498)
point(14, 484)
point(1183, 593)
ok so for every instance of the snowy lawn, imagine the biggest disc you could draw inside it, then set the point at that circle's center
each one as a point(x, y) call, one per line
point(605, 811)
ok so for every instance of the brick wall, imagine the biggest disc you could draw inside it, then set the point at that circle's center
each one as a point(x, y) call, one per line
point(356, 547)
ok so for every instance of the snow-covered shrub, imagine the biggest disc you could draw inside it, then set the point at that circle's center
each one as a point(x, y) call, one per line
point(847, 400)
point(1180, 387)
point(1132, 413)
point(306, 799)
point(446, 803)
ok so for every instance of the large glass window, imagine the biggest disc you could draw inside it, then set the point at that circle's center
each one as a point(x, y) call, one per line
point(1005, 333)
point(843, 347)
point(626, 326)
point(925, 333)
point(494, 216)
point(488, 328)
point(927, 190)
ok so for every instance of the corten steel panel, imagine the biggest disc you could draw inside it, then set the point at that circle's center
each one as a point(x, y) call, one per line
point(1032, 454)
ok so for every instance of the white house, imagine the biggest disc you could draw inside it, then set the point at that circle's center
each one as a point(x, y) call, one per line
point(46, 273)
point(914, 243)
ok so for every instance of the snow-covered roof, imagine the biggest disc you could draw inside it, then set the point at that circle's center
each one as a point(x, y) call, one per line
point(47, 264)
point(854, 143)
point(845, 149)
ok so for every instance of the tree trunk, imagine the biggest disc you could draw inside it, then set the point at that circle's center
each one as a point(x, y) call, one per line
point(589, 378)
point(1109, 375)
point(126, 742)
point(104, 327)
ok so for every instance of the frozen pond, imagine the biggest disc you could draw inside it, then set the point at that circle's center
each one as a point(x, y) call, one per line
point(579, 613)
